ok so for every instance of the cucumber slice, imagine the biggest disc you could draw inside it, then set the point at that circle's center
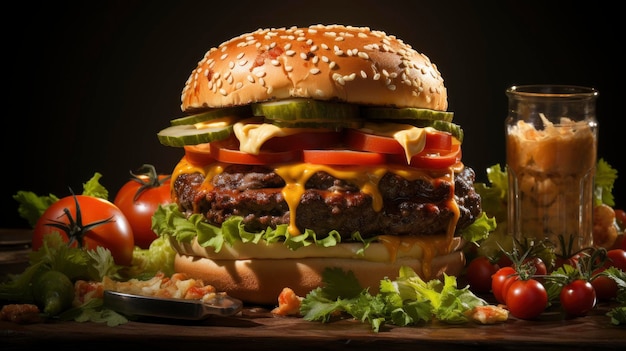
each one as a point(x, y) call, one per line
point(443, 126)
point(306, 110)
point(324, 124)
point(188, 134)
point(406, 113)
point(236, 111)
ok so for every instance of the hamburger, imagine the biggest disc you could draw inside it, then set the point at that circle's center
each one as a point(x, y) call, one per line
point(327, 146)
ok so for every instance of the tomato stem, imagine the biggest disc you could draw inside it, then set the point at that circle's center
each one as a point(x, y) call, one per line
point(75, 230)
point(148, 177)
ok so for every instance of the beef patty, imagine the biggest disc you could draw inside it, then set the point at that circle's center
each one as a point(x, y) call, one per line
point(410, 207)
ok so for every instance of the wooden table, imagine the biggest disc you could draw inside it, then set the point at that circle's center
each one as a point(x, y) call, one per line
point(256, 328)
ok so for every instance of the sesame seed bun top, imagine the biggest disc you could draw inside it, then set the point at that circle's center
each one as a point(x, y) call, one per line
point(334, 62)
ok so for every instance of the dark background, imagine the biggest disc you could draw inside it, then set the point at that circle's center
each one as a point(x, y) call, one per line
point(91, 83)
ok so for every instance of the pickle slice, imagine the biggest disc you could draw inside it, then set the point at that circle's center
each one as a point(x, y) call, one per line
point(324, 124)
point(296, 110)
point(406, 113)
point(189, 134)
point(443, 126)
point(233, 111)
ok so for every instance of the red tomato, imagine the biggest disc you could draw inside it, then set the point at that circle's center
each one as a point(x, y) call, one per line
point(501, 282)
point(359, 140)
point(139, 198)
point(577, 298)
point(342, 157)
point(605, 287)
point(199, 155)
point(526, 299)
point(304, 140)
point(536, 263)
point(430, 158)
point(616, 258)
point(561, 261)
point(228, 153)
point(478, 274)
point(115, 232)
point(620, 218)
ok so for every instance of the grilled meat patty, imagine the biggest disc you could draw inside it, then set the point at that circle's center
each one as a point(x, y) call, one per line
point(416, 207)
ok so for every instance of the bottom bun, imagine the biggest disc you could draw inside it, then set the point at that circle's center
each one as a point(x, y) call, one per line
point(260, 281)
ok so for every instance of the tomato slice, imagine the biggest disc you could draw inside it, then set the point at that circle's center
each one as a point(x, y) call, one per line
point(199, 154)
point(304, 140)
point(343, 157)
point(431, 158)
point(228, 153)
point(359, 140)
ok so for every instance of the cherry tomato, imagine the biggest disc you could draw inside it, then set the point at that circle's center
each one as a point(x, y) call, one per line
point(526, 299)
point(342, 157)
point(501, 281)
point(92, 222)
point(504, 261)
point(616, 258)
point(139, 198)
point(560, 261)
point(605, 287)
point(577, 298)
point(537, 263)
point(478, 274)
point(228, 153)
point(620, 218)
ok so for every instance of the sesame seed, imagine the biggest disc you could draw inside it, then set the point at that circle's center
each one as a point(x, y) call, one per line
point(224, 56)
point(309, 42)
point(376, 76)
point(332, 64)
point(290, 52)
point(288, 68)
point(238, 85)
point(363, 74)
point(288, 46)
point(314, 70)
point(325, 59)
point(314, 48)
point(223, 92)
point(240, 55)
point(231, 65)
point(270, 90)
point(304, 56)
point(324, 46)
point(243, 62)
point(275, 62)
point(363, 55)
point(262, 82)
point(260, 74)
point(391, 87)
point(339, 39)
point(349, 77)
point(250, 78)
point(315, 59)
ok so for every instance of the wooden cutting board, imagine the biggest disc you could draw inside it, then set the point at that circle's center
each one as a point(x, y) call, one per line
point(256, 328)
